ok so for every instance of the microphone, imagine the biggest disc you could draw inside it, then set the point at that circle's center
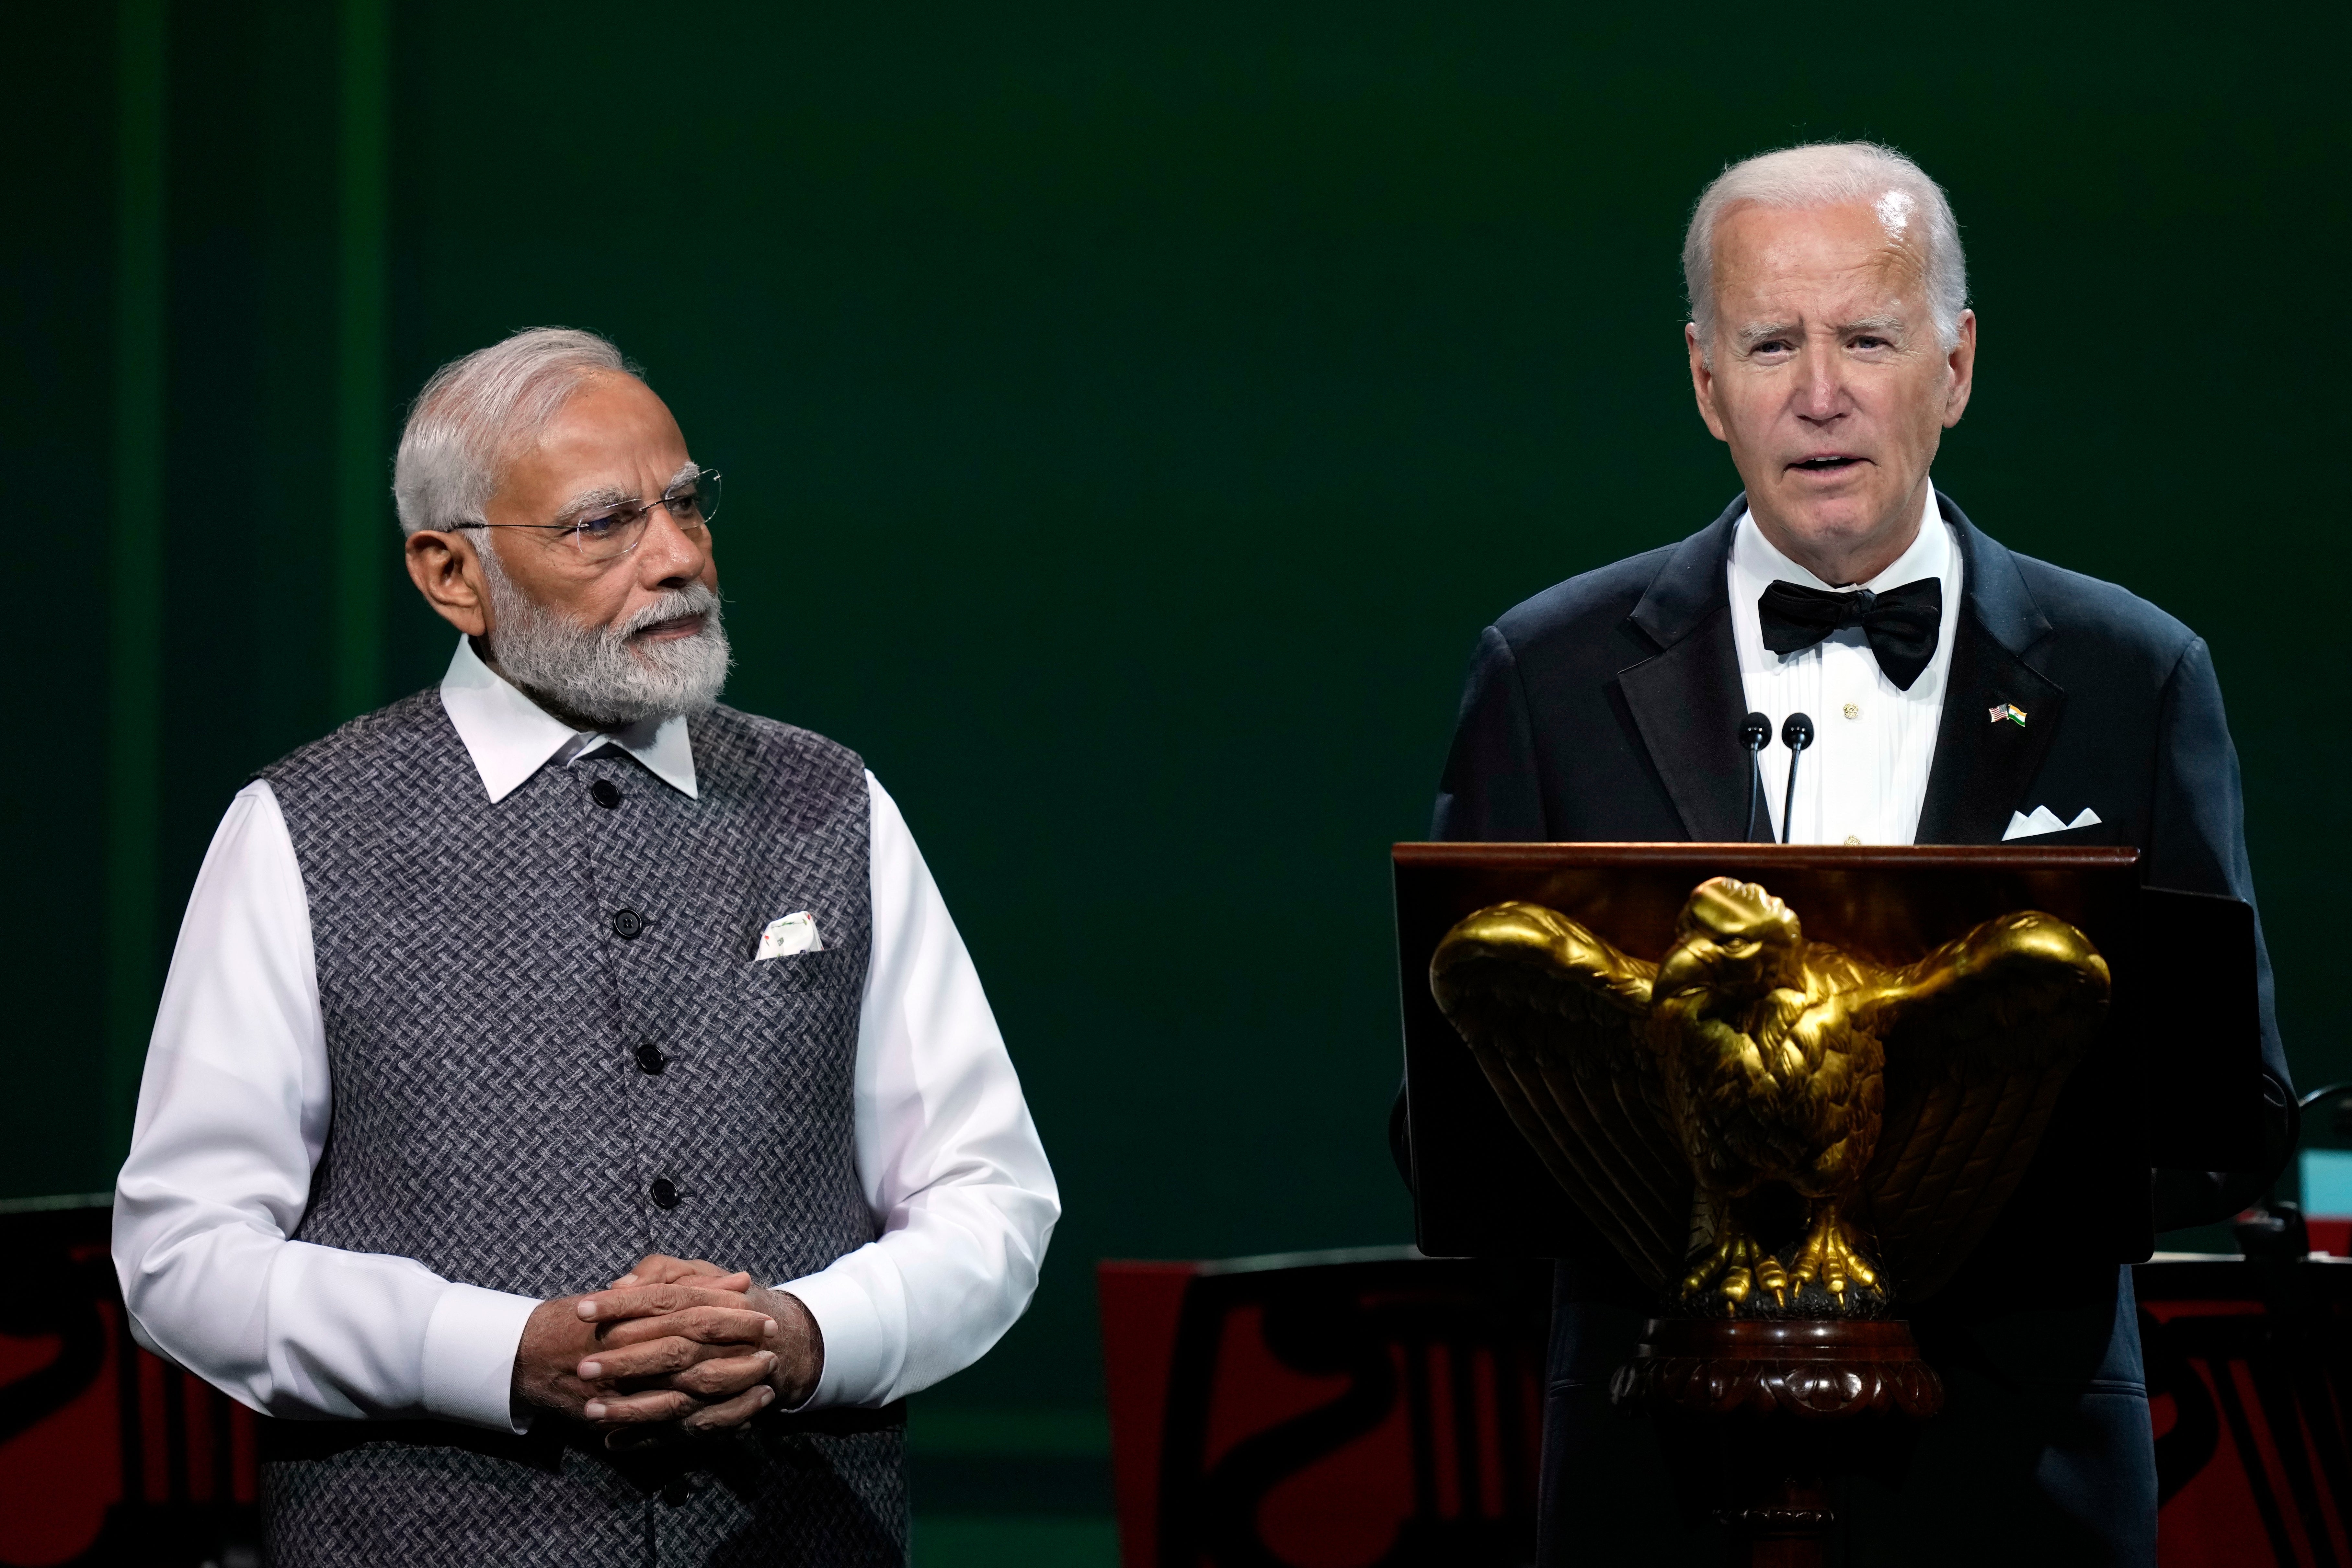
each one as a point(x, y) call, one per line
point(1796, 735)
point(1755, 733)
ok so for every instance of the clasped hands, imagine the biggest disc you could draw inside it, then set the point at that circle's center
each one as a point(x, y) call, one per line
point(674, 1346)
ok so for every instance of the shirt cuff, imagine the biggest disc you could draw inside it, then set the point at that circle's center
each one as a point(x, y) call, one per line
point(470, 1342)
point(860, 1358)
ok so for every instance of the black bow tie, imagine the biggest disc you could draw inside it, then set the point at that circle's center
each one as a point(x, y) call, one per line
point(1902, 624)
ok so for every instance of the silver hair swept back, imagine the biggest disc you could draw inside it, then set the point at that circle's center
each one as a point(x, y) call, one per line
point(1910, 206)
point(477, 411)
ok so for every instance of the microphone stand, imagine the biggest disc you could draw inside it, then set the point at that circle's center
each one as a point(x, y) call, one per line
point(1797, 733)
point(1755, 733)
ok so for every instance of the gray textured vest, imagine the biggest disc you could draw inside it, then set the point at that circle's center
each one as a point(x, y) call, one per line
point(552, 1054)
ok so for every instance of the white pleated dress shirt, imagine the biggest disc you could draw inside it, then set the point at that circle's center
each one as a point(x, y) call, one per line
point(234, 1110)
point(1865, 778)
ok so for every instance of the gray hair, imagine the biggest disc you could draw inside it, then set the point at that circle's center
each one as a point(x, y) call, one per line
point(1911, 207)
point(479, 412)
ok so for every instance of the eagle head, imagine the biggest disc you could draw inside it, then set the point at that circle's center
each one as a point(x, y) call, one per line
point(1735, 940)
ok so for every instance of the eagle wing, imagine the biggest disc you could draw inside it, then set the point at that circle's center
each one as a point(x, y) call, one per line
point(1557, 1018)
point(1980, 1036)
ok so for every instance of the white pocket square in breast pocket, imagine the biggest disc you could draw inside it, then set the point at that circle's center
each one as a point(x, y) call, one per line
point(2045, 820)
point(783, 938)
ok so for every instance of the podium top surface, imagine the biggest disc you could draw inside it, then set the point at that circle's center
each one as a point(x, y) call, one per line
point(2017, 855)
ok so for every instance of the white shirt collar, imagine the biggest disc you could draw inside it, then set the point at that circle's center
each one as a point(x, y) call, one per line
point(1755, 558)
point(510, 737)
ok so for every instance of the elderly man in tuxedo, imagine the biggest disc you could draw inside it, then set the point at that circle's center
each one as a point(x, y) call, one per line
point(572, 1108)
point(1963, 694)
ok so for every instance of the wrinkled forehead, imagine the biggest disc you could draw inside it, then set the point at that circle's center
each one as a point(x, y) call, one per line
point(1870, 249)
point(611, 434)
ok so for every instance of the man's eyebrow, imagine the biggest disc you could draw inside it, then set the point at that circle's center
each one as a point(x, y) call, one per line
point(1758, 332)
point(1884, 326)
point(587, 500)
point(606, 495)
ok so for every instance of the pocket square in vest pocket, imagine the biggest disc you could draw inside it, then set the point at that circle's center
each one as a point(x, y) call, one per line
point(792, 935)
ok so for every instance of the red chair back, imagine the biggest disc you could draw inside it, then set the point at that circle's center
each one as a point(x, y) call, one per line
point(1335, 1409)
point(108, 1454)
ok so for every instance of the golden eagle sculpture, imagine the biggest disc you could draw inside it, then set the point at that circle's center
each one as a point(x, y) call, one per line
point(1766, 1126)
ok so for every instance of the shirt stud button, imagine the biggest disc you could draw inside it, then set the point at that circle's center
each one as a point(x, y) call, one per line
point(605, 793)
point(665, 1195)
point(1852, 710)
point(627, 924)
point(650, 1059)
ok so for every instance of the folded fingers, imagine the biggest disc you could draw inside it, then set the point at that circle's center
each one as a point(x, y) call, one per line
point(654, 1300)
point(732, 1412)
point(724, 1377)
point(661, 1269)
point(669, 1358)
point(653, 1405)
point(703, 1325)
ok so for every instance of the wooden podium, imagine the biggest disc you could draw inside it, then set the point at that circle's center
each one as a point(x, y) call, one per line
point(2172, 1079)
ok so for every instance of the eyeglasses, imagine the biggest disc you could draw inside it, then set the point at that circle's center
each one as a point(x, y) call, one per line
point(607, 533)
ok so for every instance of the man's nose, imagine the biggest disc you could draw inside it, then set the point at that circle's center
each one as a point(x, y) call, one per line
point(668, 555)
point(1820, 391)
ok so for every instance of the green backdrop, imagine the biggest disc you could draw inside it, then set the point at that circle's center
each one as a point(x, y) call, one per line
point(1130, 416)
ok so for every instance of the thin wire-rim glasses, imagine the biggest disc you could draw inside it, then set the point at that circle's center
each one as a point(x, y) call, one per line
point(608, 533)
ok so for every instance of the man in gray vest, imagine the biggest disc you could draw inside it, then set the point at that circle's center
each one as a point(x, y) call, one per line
point(571, 1104)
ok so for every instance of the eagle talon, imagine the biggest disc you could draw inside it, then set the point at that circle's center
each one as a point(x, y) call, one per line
point(1737, 1267)
point(1724, 1255)
point(1833, 1255)
point(1773, 1277)
point(1735, 1287)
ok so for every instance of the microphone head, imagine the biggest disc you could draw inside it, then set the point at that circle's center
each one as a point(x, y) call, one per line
point(1756, 732)
point(1797, 733)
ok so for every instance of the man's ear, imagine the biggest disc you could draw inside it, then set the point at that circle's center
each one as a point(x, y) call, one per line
point(1702, 381)
point(448, 573)
point(1962, 363)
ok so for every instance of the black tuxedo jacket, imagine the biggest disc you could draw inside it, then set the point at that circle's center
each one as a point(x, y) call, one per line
point(1607, 709)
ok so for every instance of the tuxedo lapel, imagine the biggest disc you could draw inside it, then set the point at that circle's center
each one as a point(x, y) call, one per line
point(1985, 759)
point(1985, 764)
point(1686, 700)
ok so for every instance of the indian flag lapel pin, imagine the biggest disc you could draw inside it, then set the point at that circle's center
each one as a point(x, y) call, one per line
point(2011, 711)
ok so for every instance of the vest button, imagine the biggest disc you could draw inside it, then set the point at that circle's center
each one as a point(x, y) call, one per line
point(665, 1195)
point(650, 1057)
point(605, 793)
point(627, 924)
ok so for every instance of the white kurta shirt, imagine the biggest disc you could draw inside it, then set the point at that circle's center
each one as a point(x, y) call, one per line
point(234, 1110)
point(1865, 778)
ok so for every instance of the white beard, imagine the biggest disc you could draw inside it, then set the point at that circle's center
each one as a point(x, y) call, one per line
point(596, 673)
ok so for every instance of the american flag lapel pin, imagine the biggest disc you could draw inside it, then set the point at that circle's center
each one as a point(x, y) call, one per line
point(2009, 711)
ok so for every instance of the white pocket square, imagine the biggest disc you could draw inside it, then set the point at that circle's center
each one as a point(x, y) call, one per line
point(793, 933)
point(2044, 820)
